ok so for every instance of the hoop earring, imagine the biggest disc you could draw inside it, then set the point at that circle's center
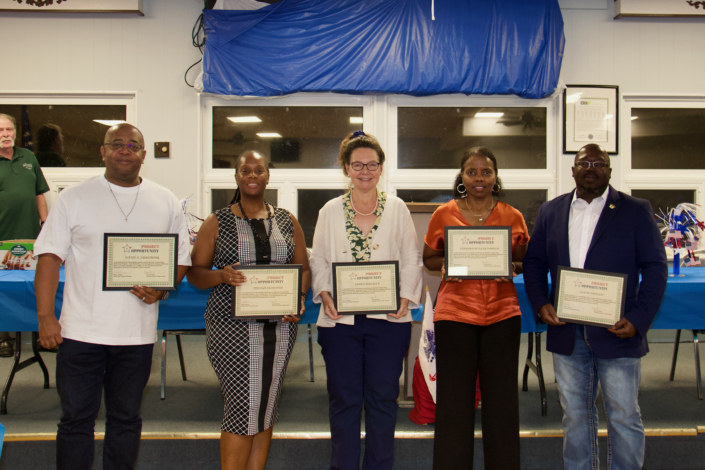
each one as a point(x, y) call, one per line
point(464, 191)
point(499, 188)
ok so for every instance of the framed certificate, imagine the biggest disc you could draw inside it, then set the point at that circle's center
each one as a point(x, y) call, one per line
point(478, 252)
point(590, 297)
point(272, 291)
point(362, 288)
point(140, 259)
point(591, 115)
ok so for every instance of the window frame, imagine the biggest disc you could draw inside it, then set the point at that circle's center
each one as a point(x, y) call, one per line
point(544, 178)
point(63, 177)
point(286, 181)
point(658, 178)
point(380, 119)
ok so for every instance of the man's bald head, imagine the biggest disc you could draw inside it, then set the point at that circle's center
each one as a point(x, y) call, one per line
point(592, 149)
point(127, 126)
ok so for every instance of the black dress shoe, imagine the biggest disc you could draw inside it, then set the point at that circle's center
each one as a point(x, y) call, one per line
point(7, 348)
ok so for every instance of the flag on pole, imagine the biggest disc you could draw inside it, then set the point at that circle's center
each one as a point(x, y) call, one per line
point(427, 347)
point(26, 130)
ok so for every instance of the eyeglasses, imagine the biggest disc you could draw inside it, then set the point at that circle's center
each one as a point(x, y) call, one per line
point(595, 165)
point(358, 166)
point(116, 146)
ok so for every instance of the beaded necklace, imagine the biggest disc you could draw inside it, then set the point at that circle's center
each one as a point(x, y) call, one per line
point(270, 215)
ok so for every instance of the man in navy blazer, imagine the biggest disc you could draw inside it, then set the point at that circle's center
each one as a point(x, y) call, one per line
point(598, 228)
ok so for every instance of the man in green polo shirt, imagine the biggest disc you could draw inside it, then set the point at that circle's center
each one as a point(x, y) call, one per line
point(22, 205)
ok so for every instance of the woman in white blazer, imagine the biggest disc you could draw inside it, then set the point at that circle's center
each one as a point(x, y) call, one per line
point(364, 353)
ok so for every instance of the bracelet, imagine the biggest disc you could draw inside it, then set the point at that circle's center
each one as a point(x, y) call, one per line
point(304, 295)
point(514, 267)
point(165, 295)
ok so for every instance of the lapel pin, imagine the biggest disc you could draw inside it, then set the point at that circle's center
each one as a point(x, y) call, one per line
point(375, 247)
point(611, 206)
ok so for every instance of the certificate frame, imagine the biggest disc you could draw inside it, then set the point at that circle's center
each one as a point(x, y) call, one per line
point(508, 270)
point(606, 97)
point(109, 238)
point(340, 269)
point(267, 269)
point(595, 275)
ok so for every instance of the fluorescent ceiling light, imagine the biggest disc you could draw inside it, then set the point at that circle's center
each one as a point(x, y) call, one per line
point(608, 116)
point(107, 122)
point(355, 120)
point(635, 117)
point(240, 119)
point(268, 135)
point(573, 98)
point(489, 115)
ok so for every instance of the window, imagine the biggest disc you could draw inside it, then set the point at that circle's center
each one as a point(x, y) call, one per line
point(291, 136)
point(221, 198)
point(662, 137)
point(423, 139)
point(662, 200)
point(431, 137)
point(668, 138)
point(310, 202)
point(64, 135)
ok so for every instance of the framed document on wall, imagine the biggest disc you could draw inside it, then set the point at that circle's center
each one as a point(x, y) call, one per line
point(590, 115)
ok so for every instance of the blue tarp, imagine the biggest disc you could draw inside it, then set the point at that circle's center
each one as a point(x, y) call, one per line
point(385, 46)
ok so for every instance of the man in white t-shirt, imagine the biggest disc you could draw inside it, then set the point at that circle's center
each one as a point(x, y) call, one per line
point(105, 338)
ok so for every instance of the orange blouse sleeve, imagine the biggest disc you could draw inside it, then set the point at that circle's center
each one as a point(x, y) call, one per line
point(435, 236)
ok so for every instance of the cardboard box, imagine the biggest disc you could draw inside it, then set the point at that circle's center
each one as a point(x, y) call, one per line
point(17, 254)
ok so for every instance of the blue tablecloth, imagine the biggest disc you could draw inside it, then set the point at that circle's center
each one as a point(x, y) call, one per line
point(184, 308)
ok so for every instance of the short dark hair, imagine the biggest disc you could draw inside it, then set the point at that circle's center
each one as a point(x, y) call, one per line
point(358, 140)
point(47, 135)
point(477, 152)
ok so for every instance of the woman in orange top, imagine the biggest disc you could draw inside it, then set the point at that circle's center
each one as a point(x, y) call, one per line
point(478, 326)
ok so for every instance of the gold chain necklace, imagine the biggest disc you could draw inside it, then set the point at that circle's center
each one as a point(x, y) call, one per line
point(481, 213)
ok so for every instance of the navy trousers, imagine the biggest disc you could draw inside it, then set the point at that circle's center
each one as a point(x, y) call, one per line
point(83, 370)
point(364, 362)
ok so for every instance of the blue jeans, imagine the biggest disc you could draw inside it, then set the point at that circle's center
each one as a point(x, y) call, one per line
point(578, 376)
point(83, 371)
point(363, 364)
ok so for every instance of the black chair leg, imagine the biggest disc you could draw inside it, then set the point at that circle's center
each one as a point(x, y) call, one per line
point(527, 367)
point(539, 368)
point(675, 354)
point(181, 357)
point(697, 364)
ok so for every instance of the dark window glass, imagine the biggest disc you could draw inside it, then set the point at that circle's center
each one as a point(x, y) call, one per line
point(64, 135)
point(425, 195)
point(438, 137)
point(662, 200)
point(221, 197)
point(310, 202)
point(309, 137)
point(526, 201)
point(668, 138)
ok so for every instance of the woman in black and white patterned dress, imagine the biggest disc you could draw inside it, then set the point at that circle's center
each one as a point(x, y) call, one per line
point(249, 357)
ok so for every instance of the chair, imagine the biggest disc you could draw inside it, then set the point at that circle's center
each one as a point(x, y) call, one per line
point(697, 359)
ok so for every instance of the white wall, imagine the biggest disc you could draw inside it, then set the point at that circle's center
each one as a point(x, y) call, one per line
point(52, 52)
point(659, 56)
point(95, 53)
